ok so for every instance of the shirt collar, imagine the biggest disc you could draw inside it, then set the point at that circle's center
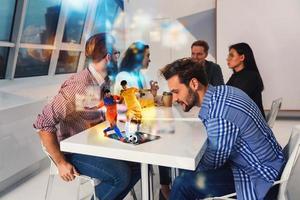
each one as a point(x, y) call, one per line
point(207, 100)
point(99, 78)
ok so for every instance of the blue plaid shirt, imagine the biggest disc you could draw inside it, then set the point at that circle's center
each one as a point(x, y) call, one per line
point(238, 134)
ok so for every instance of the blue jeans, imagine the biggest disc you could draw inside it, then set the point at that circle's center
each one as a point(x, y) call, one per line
point(117, 177)
point(192, 185)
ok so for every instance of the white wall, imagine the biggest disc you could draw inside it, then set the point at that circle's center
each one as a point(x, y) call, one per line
point(19, 142)
point(158, 24)
point(20, 102)
point(271, 27)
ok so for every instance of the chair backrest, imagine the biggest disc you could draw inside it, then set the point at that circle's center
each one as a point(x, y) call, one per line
point(53, 168)
point(292, 152)
point(292, 190)
point(271, 117)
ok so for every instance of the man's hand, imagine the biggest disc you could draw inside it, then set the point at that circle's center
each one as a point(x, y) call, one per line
point(67, 171)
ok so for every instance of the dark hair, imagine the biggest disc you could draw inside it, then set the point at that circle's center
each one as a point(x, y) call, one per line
point(201, 43)
point(123, 82)
point(98, 46)
point(106, 91)
point(133, 58)
point(249, 62)
point(186, 69)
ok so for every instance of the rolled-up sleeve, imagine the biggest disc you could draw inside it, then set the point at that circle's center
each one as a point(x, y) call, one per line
point(58, 109)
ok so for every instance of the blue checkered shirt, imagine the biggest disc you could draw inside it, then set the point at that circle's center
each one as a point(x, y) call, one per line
point(239, 135)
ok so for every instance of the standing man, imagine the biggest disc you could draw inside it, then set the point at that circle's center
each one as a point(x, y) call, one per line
point(66, 111)
point(242, 154)
point(199, 51)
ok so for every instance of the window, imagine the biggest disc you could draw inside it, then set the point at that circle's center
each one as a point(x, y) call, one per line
point(41, 21)
point(51, 34)
point(67, 62)
point(106, 14)
point(3, 60)
point(7, 9)
point(33, 62)
point(75, 22)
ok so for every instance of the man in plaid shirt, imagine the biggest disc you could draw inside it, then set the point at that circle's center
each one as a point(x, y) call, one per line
point(66, 110)
point(242, 154)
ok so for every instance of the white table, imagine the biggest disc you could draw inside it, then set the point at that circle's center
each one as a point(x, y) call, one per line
point(182, 149)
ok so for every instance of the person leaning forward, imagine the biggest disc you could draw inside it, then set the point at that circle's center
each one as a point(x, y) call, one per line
point(66, 110)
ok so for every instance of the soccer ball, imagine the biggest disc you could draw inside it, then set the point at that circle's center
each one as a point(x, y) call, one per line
point(133, 139)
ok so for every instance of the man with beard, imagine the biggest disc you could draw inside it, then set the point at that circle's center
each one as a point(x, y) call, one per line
point(242, 154)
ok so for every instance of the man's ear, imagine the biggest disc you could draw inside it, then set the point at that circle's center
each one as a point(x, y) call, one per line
point(194, 84)
point(108, 57)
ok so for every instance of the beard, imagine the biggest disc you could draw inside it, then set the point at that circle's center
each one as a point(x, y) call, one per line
point(191, 100)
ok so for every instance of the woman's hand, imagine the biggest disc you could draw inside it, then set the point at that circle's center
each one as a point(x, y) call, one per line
point(154, 87)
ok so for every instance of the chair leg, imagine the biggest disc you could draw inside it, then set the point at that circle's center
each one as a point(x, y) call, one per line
point(79, 183)
point(132, 192)
point(151, 173)
point(94, 194)
point(94, 183)
point(49, 187)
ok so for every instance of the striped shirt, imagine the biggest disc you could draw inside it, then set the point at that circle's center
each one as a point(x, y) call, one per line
point(66, 109)
point(238, 134)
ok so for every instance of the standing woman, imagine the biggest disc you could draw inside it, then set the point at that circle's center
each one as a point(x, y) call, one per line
point(245, 73)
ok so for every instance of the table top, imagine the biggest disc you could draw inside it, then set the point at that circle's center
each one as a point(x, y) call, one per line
point(181, 143)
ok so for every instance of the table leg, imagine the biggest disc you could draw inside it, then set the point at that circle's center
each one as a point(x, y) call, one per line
point(174, 174)
point(145, 181)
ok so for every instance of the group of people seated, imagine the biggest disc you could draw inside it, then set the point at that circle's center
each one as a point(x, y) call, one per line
point(242, 154)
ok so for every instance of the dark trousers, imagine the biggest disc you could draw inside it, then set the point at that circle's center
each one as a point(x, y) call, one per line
point(164, 175)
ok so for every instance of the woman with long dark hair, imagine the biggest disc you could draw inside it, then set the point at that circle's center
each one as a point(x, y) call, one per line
point(245, 73)
point(135, 58)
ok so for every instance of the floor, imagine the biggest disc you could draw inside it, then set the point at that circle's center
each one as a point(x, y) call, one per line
point(33, 188)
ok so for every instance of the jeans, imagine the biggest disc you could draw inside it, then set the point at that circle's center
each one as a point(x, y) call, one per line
point(117, 177)
point(192, 185)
